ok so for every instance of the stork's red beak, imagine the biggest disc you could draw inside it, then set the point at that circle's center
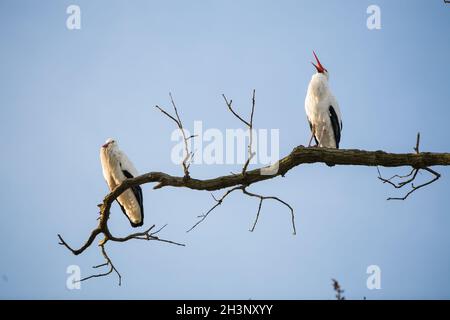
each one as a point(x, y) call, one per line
point(319, 67)
point(105, 145)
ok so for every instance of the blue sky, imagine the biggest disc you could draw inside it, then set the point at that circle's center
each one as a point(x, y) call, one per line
point(63, 93)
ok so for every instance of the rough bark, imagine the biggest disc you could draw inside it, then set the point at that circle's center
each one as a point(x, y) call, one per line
point(300, 155)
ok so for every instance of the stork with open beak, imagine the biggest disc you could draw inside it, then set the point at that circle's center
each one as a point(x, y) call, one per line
point(322, 110)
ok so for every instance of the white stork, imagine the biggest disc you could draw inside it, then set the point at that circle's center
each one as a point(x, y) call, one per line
point(322, 110)
point(116, 168)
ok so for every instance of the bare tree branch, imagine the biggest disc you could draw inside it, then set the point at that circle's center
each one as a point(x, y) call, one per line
point(416, 148)
point(169, 115)
point(107, 263)
point(244, 184)
point(412, 174)
point(218, 203)
point(251, 154)
point(102, 228)
point(299, 155)
point(145, 235)
point(249, 124)
point(91, 239)
point(389, 181)
point(188, 154)
point(415, 188)
point(261, 199)
point(244, 190)
point(229, 105)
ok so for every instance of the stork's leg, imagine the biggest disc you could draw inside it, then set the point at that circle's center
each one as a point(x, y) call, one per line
point(312, 135)
point(323, 134)
point(310, 140)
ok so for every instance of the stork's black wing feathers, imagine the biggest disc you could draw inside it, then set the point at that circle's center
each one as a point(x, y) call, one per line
point(336, 125)
point(137, 191)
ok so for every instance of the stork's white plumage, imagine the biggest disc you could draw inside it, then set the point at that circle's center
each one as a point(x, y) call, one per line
point(322, 110)
point(116, 168)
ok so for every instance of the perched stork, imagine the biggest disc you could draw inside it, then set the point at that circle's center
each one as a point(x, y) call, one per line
point(322, 110)
point(116, 168)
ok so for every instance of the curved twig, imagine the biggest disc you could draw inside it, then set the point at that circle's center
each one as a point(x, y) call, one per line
point(415, 188)
point(261, 199)
point(107, 263)
point(230, 107)
point(412, 174)
point(91, 239)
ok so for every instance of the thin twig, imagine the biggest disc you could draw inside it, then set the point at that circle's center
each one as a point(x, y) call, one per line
point(416, 148)
point(108, 262)
point(168, 114)
point(262, 198)
point(188, 155)
point(395, 175)
point(400, 184)
point(91, 239)
point(249, 125)
point(251, 154)
point(412, 176)
point(100, 265)
point(159, 230)
point(415, 188)
point(229, 105)
point(145, 235)
point(218, 203)
point(257, 214)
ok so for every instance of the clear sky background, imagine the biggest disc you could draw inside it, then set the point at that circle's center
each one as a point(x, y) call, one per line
point(63, 93)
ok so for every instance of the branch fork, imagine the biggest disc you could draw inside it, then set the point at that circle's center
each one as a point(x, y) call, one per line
point(102, 228)
point(245, 181)
point(410, 177)
point(189, 155)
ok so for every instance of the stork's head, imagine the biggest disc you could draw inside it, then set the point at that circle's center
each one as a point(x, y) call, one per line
point(319, 67)
point(109, 143)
